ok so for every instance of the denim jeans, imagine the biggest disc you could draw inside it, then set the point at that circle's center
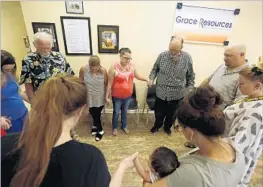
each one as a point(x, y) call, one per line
point(120, 104)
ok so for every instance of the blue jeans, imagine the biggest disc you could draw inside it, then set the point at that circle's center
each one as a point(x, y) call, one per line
point(120, 104)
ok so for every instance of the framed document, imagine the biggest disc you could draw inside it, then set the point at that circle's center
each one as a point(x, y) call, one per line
point(76, 35)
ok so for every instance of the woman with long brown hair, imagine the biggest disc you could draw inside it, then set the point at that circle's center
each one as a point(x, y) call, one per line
point(96, 80)
point(46, 155)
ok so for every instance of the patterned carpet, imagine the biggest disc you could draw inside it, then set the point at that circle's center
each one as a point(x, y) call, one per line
point(117, 148)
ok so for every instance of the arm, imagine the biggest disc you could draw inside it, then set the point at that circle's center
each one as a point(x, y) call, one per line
point(190, 75)
point(68, 69)
point(125, 164)
point(155, 69)
point(137, 76)
point(110, 82)
point(105, 77)
point(81, 73)
point(141, 171)
point(29, 91)
point(160, 183)
point(26, 78)
point(24, 96)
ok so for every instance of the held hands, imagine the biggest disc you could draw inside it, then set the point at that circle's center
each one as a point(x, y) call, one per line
point(5, 123)
point(129, 161)
point(107, 100)
point(149, 83)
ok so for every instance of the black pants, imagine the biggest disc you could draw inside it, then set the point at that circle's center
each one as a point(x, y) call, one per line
point(96, 114)
point(165, 110)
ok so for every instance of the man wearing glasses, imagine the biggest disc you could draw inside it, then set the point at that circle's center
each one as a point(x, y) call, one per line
point(173, 70)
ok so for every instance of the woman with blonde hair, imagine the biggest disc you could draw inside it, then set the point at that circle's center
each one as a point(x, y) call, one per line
point(46, 155)
point(96, 80)
point(244, 120)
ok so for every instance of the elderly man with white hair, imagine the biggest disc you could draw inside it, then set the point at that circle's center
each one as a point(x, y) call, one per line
point(38, 66)
point(225, 78)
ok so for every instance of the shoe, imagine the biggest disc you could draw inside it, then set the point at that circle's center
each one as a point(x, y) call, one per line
point(99, 136)
point(94, 131)
point(189, 145)
point(115, 132)
point(168, 131)
point(154, 130)
point(126, 131)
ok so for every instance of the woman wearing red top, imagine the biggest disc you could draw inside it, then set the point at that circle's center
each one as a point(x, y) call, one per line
point(120, 87)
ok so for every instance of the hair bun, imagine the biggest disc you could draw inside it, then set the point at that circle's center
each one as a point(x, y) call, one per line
point(204, 98)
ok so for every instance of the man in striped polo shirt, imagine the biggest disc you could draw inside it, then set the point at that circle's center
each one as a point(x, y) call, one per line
point(174, 72)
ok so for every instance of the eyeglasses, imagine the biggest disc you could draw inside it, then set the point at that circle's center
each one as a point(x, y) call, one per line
point(126, 58)
point(5, 70)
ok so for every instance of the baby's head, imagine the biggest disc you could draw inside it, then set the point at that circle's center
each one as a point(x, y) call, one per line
point(164, 161)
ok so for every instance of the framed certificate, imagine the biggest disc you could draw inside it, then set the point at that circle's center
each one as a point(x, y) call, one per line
point(76, 35)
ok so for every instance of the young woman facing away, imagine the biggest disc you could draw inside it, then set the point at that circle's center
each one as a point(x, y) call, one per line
point(216, 163)
point(13, 109)
point(120, 87)
point(244, 120)
point(96, 80)
point(46, 155)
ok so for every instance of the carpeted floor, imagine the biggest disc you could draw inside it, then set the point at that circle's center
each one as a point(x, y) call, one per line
point(117, 148)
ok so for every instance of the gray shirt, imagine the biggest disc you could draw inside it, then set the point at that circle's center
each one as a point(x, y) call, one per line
point(200, 171)
point(172, 77)
point(225, 83)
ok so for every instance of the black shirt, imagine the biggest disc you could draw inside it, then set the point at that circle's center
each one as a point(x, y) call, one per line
point(72, 164)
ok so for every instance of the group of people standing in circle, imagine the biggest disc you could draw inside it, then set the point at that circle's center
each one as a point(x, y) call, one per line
point(222, 118)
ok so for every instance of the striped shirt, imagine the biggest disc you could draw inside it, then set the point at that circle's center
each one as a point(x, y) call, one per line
point(225, 83)
point(95, 88)
point(172, 77)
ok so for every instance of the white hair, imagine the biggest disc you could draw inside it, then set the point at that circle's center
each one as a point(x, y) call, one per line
point(43, 36)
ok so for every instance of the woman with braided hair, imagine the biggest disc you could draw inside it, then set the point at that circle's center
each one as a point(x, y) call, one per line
point(244, 120)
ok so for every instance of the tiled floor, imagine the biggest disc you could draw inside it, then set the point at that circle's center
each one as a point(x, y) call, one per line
point(117, 148)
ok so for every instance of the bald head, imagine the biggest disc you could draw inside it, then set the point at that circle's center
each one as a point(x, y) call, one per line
point(176, 45)
point(235, 56)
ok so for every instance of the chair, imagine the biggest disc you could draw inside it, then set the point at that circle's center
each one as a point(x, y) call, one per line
point(134, 106)
point(150, 101)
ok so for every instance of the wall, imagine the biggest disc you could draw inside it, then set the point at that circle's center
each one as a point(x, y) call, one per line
point(146, 27)
point(13, 30)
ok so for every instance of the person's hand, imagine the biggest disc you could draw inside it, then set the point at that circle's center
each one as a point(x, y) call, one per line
point(5, 123)
point(145, 184)
point(150, 83)
point(107, 101)
point(128, 162)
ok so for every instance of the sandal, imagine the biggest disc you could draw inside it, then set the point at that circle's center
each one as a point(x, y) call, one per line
point(189, 145)
point(99, 136)
point(94, 131)
point(126, 131)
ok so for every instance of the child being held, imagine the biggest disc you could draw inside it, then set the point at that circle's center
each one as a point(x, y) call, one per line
point(163, 162)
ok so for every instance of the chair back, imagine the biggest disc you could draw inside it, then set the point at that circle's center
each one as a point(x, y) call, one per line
point(151, 97)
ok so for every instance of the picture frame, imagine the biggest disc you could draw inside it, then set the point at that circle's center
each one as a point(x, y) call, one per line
point(77, 35)
point(74, 7)
point(108, 39)
point(48, 28)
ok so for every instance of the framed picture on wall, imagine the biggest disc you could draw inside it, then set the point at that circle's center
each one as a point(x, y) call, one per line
point(48, 28)
point(108, 38)
point(77, 35)
point(74, 7)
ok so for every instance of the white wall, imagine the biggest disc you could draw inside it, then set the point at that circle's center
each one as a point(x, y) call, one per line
point(146, 27)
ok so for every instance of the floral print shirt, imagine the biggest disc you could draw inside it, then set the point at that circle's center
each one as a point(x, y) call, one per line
point(36, 69)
